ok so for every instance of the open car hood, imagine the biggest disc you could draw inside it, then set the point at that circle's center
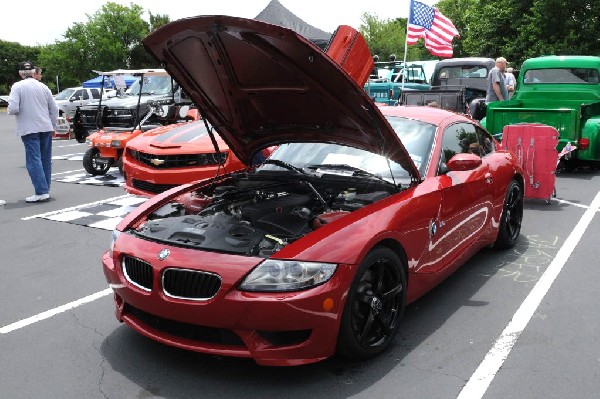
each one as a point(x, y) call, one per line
point(261, 85)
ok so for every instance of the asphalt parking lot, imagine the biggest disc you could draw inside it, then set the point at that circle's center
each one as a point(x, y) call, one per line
point(516, 324)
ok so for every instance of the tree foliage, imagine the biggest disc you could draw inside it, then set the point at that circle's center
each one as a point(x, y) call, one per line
point(10, 55)
point(111, 38)
point(516, 29)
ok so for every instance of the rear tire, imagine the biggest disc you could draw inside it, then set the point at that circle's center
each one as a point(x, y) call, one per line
point(512, 217)
point(374, 306)
point(91, 165)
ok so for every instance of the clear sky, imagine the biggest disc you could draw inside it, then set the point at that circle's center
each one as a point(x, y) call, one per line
point(44, 22)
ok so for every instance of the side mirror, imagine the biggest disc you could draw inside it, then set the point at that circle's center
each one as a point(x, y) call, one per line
point(464, 162)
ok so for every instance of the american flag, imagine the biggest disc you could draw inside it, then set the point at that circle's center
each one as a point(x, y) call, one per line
point(429, 23)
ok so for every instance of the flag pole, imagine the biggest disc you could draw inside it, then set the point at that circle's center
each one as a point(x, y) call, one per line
point(410, 10)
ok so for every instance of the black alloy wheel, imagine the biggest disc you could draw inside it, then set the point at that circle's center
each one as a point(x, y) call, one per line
point(374, 307)
point(512, 217)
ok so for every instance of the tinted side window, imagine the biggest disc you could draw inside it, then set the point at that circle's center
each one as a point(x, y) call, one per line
point(81, 95)
point(95, 93)
point(460, 138)
point(485, 141)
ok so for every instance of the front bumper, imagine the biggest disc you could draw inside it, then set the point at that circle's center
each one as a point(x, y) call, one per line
point(146, 181)
point(274, 329)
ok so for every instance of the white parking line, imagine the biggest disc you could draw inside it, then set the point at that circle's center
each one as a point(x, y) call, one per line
point(571, 203)
point(68, 171)
point(485, 373)
point(53, 312)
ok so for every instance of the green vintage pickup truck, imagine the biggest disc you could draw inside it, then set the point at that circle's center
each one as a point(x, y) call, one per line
point(560, 91)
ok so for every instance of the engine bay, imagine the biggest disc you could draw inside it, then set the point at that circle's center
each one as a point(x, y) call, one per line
point(256, 217)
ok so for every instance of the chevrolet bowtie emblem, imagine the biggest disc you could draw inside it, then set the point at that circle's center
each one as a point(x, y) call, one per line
point(156, 161)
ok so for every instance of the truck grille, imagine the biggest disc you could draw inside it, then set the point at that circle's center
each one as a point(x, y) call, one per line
point(190, 284)
point(179, 160)
point(138, 272)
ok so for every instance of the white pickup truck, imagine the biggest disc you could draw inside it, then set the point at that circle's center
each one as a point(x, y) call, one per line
point(69, 99)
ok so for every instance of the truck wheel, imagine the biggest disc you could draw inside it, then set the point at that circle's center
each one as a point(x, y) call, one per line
point(91, 164)
point(79, 135)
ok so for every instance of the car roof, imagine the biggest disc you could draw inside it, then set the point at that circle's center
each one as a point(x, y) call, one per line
point(562, 61)
point(433, 115)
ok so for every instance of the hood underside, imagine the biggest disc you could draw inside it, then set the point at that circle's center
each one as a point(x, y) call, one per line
point(261, 85)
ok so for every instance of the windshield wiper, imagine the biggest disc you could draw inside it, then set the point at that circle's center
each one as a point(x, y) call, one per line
point(355, 171)
point(284, 165)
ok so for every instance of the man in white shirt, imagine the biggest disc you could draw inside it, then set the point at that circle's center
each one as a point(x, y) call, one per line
point(511, 81)
point(32, 103)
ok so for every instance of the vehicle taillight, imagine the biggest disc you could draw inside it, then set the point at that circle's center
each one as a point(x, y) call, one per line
point(583, 144)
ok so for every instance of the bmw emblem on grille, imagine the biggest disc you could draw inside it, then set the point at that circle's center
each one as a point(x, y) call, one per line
point(163, 254)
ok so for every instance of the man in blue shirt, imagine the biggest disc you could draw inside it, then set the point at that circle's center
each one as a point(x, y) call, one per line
point(32, 103)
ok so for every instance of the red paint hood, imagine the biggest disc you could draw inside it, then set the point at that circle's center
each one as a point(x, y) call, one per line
point(261, 85)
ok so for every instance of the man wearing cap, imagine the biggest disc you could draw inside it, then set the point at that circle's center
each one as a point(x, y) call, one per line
point(37, 115)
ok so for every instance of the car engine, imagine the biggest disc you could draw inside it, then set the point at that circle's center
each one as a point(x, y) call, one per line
point(255, 220)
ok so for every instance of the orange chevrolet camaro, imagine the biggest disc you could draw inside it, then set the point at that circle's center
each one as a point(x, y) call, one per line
point(168, 156)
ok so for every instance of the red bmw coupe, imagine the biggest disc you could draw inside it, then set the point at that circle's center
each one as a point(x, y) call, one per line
point(359, 211)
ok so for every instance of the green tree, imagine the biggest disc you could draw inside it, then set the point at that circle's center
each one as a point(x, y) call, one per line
point(110, 39)
point(460, 13)
point(139, 56)
point(11, 54)
point(576, 32)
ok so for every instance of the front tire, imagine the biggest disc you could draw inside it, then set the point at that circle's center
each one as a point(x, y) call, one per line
point(91, 164)
point(374, 306)
point(512, 217)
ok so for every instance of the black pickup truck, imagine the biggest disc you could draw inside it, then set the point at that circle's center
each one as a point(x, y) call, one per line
point(458, 84)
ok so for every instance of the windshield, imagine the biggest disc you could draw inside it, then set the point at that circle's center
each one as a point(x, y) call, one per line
point(416, 136)
point(65, 94)
point(156, 85)
point(464, 71)
point(562, 75)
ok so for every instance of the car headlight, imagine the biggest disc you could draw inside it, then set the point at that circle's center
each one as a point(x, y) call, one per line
point(287, 275)
point(89, 142)
point(113, 238)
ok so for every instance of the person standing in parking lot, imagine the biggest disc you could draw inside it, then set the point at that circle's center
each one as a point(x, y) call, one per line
point(36, 112)
point(496, 83)
point(511, 82)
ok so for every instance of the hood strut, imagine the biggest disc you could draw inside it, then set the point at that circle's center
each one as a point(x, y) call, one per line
point(213, 140)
